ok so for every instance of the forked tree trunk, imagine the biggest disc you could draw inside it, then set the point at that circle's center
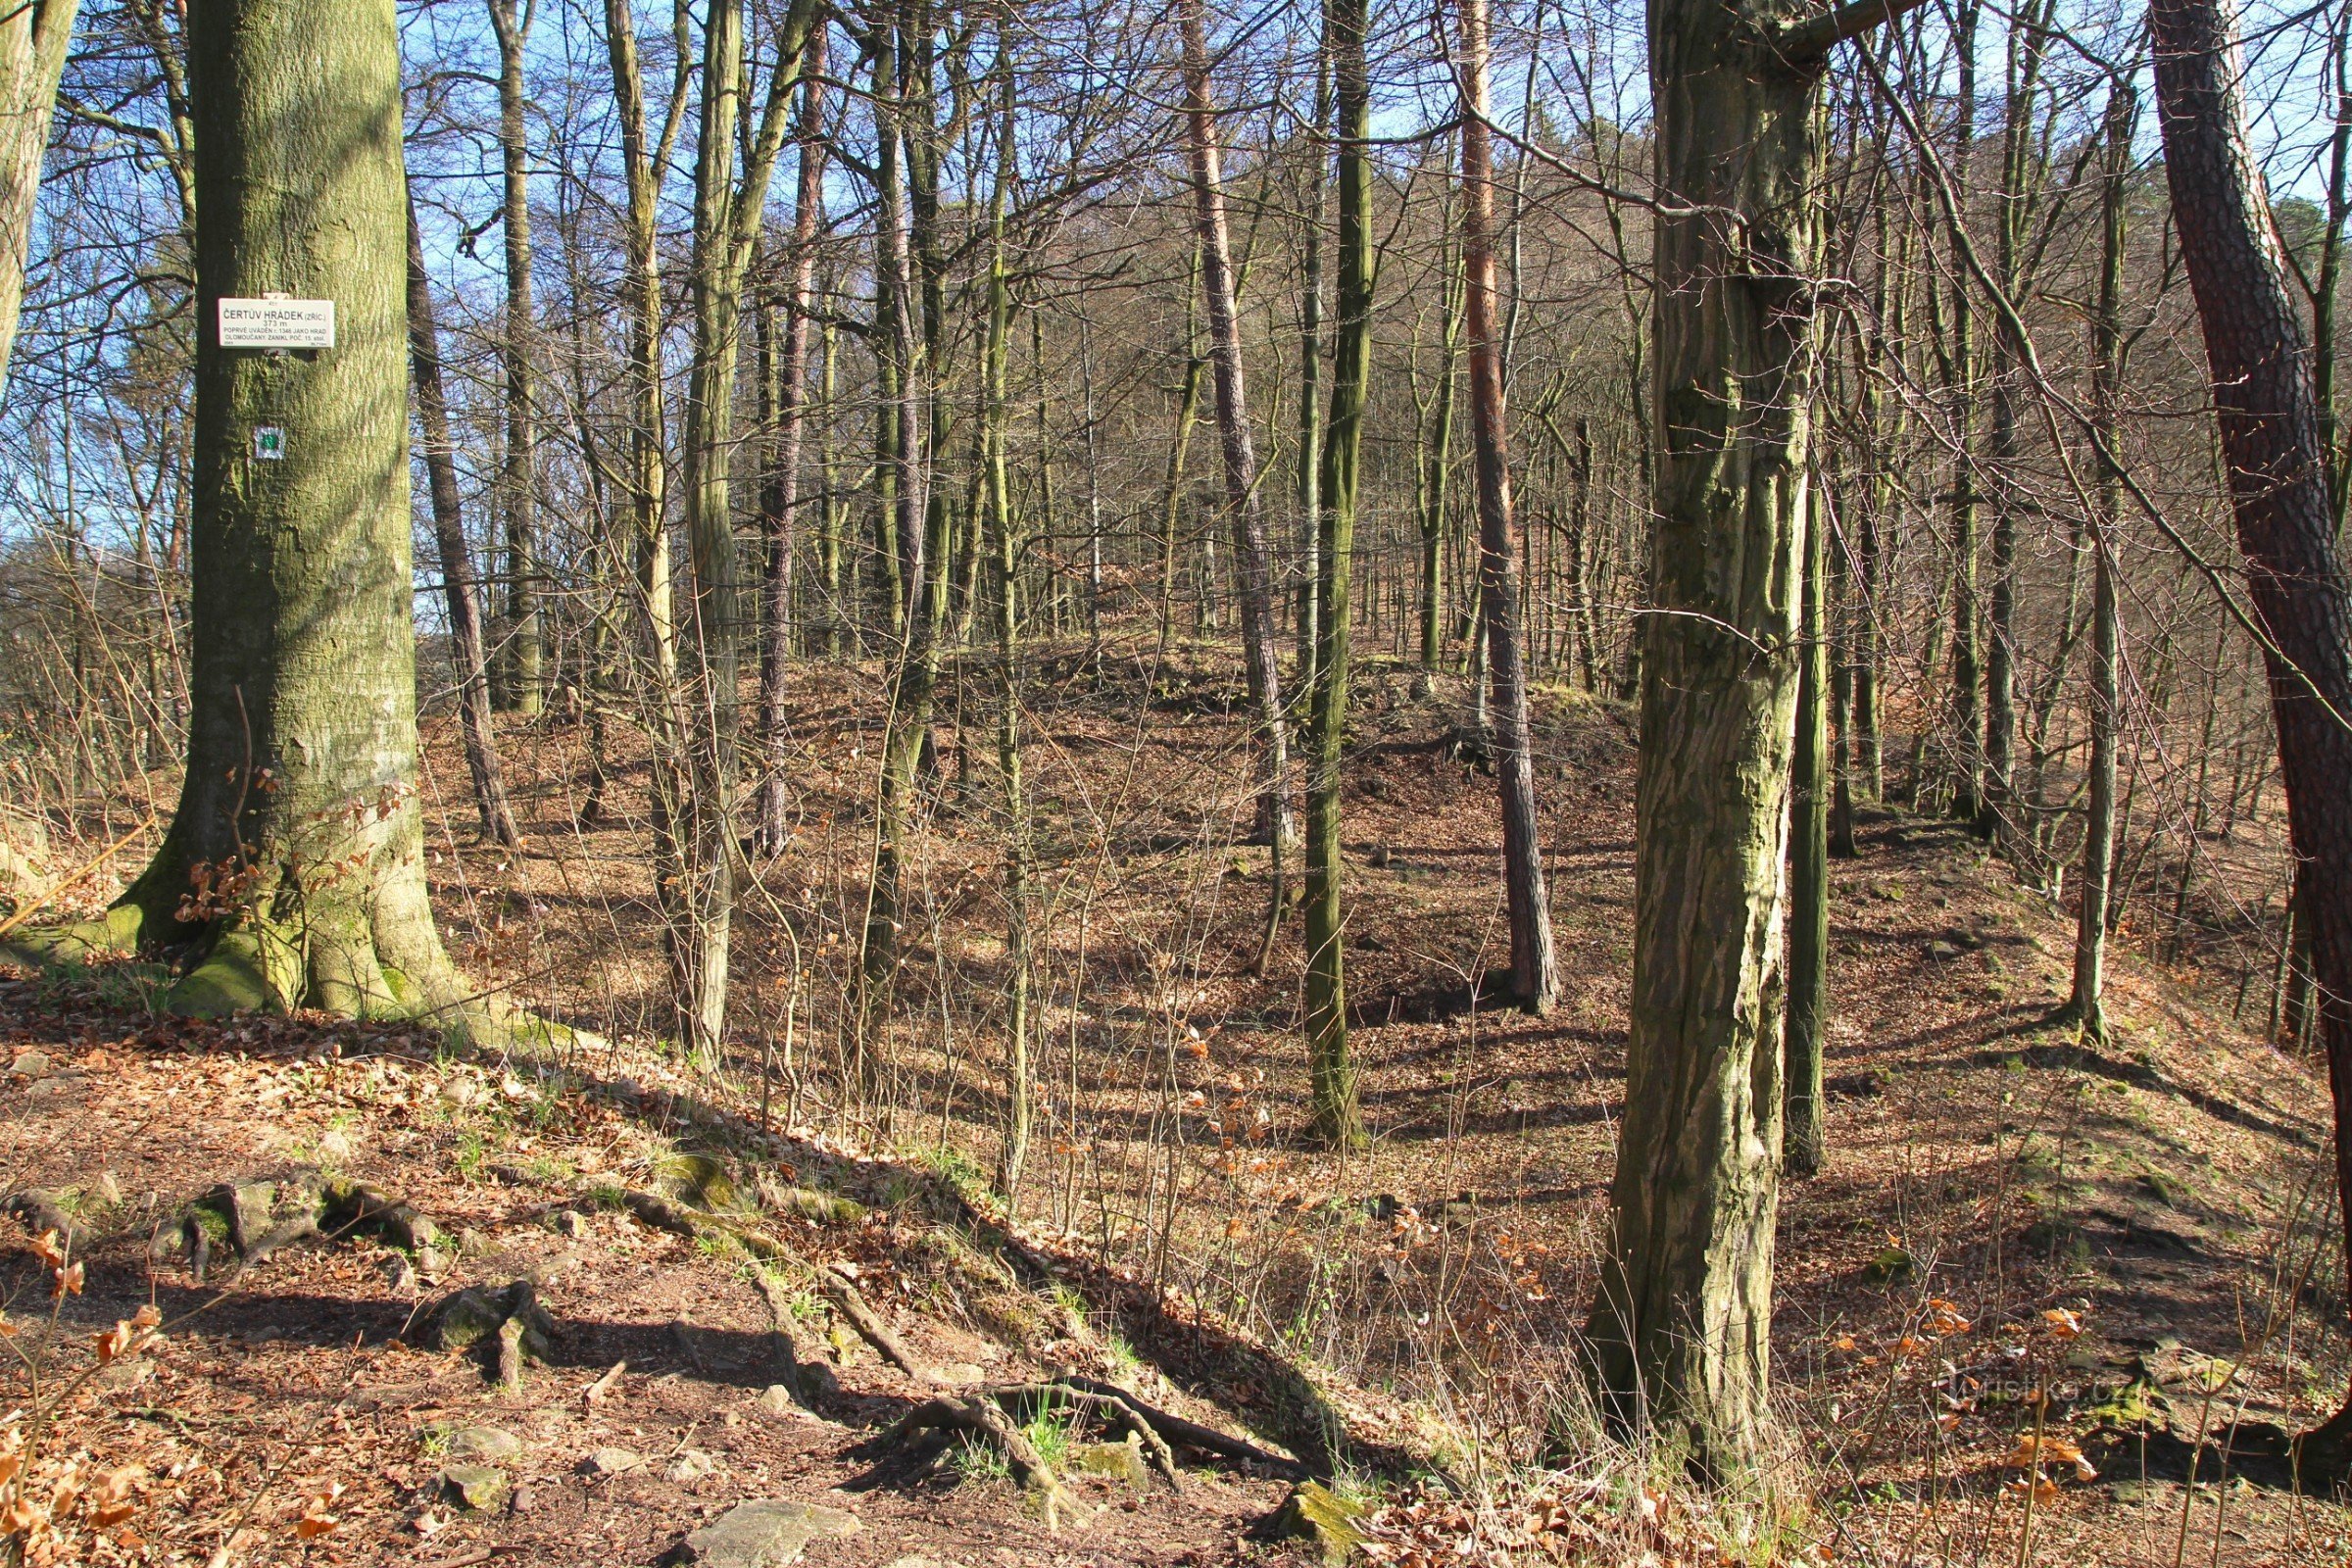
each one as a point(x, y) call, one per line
point(457, 565)
point(2269, 432)
point(33, 35)
point(1534, 973)
point(1680, 1329)
point(1339, 1121)
point(726, 220)
point(1253, 566)
point(520, 670)
point(293, 874)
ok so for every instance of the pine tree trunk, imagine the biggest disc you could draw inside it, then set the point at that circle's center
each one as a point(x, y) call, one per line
point(2269, 433)
point(293, 874)
point(1338, 1119)
point(33, 36)
point(1534, 973)
point(457, 565)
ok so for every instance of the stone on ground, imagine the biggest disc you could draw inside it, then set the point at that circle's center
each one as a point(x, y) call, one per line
point(767, 1533)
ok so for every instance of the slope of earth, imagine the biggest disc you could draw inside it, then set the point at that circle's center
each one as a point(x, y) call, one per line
point(289, 1399)
point(2022, 1249)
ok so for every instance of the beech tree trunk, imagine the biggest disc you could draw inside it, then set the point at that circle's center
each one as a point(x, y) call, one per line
point(293, 874)
point(1251, 553)
point(457, 565)
point(1534, 973)
point(2269, 430)
point(33, 35)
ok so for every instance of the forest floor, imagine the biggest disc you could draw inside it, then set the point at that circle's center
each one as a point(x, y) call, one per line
point(2112, 1252)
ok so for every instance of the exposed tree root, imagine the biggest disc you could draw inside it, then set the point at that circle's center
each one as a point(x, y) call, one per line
point(923, 1435)
point(851, 1303)
point(40, 1211)
point(784, 1353)
point(508, 1318)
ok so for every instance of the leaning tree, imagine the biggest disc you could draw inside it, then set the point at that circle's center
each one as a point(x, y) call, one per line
point(293, 873)
point(2277, 466)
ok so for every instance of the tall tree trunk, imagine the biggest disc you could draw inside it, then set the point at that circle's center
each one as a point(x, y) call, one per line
point(519, 674)
point(1534, 973)
point(1802, 1142)
point(781, 497)
point(457, 565)
point(914, 674)
point(294, 871)
point(1960, 380)
point(1437, 473)
point(1339, 1121)
point(2028, 43)
point(2269, 433)
point(642, 160)
point(33, 36)
point(994, 408)
point(1252, 566)
point(1680, 1329)
point(726, 224)
point(1310, 375)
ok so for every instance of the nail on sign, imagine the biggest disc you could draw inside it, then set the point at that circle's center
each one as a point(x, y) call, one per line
point(278, 324)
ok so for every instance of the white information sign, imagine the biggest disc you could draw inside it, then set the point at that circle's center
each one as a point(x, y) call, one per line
point(278, 324)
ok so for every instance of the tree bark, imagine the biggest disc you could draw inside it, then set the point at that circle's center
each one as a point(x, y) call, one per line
point(293, 874)
point(33, 36)
point(2276, 471)
point(1801, 1136)
point(1680, 1329)
point(457, 565)
point(1534, 972)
